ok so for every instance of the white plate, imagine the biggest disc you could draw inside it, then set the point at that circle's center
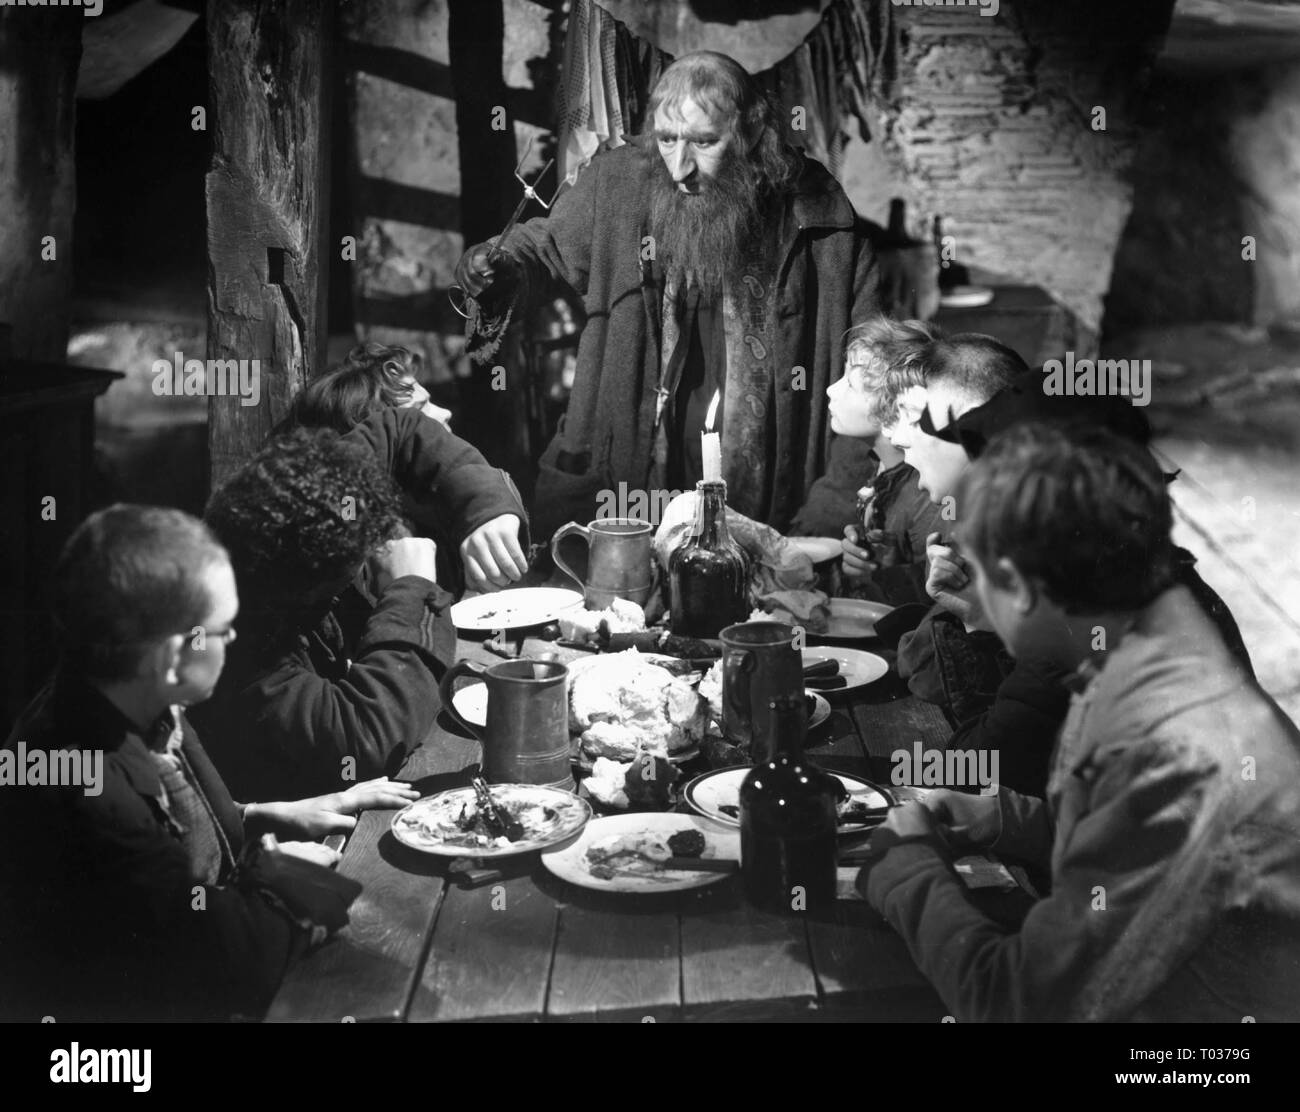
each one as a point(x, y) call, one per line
point(821, 709)
point(859, 668)
point(714, 790)
point(513, 609)
point(428, 823)
point(569, 862)
point(471, 700)
point(852, 619)
point(817, 549)
point(966, 297)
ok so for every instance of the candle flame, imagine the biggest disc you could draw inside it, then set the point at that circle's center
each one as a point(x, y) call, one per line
point(713, 410)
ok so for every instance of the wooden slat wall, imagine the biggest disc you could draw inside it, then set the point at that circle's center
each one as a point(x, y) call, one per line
point(267, 204)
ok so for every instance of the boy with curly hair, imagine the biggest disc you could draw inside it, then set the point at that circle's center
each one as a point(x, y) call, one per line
point(326, 686)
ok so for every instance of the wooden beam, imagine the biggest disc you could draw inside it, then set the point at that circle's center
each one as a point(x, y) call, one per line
point(268, 203)
point(40, 49)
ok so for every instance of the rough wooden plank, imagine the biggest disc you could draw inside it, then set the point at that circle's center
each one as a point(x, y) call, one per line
point(367, 972)
point(626, 969)
point(491, 954)
point(739, 963)
point(267, 204)
point(897, 725)
point(861, 964)
point(370, 970)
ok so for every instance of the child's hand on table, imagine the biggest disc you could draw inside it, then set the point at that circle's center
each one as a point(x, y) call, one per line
point(492, 556)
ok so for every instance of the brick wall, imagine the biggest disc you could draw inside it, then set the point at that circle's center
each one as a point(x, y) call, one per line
point(988, 121)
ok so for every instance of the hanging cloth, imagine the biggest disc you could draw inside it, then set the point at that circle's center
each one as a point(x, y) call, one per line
point(593, 105)
point(609, 71)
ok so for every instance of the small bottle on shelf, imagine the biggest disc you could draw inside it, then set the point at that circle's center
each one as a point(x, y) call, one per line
point(788, 821)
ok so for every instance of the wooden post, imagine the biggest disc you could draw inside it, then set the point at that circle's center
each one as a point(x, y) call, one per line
point(40, 49)
point(267, 200)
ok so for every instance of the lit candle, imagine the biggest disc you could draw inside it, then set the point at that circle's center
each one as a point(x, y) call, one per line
point(711, 444)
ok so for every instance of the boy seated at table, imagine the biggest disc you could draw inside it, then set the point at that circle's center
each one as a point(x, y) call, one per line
point(1014, 707)
point(1171, 823)
point(329, 683)
point(446, 484)
point(131, 886)
point(883, 560)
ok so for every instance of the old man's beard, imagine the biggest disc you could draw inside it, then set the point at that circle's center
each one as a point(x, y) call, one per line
point(700, 238)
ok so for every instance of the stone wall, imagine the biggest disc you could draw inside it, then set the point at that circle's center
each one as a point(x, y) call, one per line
point(989, 123)
point(1179, 259)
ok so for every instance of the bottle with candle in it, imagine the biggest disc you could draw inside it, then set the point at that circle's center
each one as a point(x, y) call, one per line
point(708, 574)
point(788, 821)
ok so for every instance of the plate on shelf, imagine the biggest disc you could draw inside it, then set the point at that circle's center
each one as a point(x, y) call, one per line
point(516, 608)
point(636, 874)
point(713, 791)
point(548, 815)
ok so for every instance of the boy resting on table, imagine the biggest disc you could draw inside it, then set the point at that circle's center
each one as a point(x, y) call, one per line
point(331, 684)
point(1171, 822)
point(378, 377)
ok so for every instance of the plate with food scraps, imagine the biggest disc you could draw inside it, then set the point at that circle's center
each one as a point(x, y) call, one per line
point(516, 608)
point(716, 795)
point(856, 667)
point(448, 824)
point(851, 619)
point(629, 853)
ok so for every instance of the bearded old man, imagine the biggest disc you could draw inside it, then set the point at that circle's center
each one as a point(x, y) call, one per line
point(710, 256)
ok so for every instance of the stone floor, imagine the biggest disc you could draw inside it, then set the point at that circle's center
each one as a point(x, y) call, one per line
point(1226, 408)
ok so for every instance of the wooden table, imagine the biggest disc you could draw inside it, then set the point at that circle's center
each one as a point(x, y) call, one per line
point(531, 947)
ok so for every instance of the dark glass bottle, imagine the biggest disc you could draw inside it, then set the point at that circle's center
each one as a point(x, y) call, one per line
point(788, 821)
point(709, 573)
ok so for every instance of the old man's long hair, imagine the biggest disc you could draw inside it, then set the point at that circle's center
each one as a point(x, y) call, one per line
point(701, 237)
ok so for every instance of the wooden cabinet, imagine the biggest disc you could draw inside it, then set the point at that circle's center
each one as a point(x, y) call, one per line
point(47, 442)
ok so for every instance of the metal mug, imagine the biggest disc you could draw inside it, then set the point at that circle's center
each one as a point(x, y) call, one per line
point(759, 662)
point(526, 737)
point(620, 560)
